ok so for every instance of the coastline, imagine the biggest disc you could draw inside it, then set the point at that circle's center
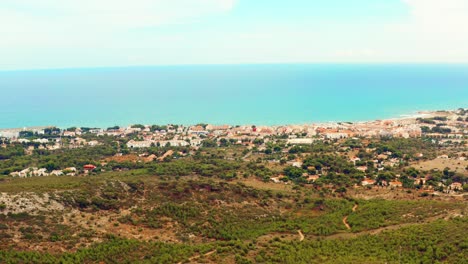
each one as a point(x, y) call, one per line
point(412, 116)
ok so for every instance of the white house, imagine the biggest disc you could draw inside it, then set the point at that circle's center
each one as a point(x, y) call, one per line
point(174, 143)
point(9, 134)
point(41, 140)
point(300, 141)
point(139, 144)
point(40, 172)
point(56, 173)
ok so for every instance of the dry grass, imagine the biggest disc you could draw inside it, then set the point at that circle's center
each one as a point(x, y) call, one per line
point(124, 158)
point(440, 164)
point(258, 184)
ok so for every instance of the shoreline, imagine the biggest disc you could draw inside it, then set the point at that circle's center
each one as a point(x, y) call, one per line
point(414, 115)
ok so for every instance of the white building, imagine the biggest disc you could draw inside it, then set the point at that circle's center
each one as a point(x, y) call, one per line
point(139, 144)
point(41, 140)
point(173, 143)
point(9, 134)
point(301, 141)
point(56, 173)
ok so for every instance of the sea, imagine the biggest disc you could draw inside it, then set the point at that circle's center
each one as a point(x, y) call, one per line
point(273, 94)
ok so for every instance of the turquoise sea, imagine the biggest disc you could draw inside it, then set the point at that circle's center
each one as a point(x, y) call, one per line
point(232, 94)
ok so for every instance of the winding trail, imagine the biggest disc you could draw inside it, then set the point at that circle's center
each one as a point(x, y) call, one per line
point(345, 219)
point(301, 235)
point(199, 256)
point(376, 231)
point(345, 222)
point(246, 156)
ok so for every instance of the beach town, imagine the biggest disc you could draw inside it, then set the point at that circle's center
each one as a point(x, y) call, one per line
point(443, 128)
point(234, 132)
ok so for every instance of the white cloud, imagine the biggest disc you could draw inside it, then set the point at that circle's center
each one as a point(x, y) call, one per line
point(72, 33)
point(41, 21)
point(448, 17)
point(30, 29)
point(111, 13)
point(437, 30)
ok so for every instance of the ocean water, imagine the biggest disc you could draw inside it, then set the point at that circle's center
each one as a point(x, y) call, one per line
point(227, 94)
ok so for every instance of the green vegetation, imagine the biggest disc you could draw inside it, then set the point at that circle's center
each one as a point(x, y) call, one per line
point(223, 201)
point(59, 159)
point(438, 242)
point(441, 241)
point(379, 213)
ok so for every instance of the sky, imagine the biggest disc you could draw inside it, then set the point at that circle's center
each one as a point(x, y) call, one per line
point(38, 34)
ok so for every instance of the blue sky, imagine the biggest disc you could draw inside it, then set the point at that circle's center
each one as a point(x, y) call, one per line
point(94, 33)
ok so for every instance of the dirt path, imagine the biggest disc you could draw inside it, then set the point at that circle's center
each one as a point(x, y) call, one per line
point(345, 219)
point(199, 256)
point(246, 156)
point(301, 235)
point(388, 228)
point(348, 235)
point(345, 222)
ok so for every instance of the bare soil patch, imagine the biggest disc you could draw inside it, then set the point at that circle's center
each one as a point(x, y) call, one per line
point(440, 164)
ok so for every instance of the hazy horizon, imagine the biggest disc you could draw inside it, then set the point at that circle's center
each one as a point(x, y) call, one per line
point(52, 34)
point(104, 67)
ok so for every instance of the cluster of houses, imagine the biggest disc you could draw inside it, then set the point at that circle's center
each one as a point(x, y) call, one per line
point(35, 172)
point(297, 134)
point(193, 136)
point(162, 143)
point(368, 182)
point(41, 172)
point(52, 143)
point(380, 162)
point(455, 186)
point(409, 127)
point(371, 182)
